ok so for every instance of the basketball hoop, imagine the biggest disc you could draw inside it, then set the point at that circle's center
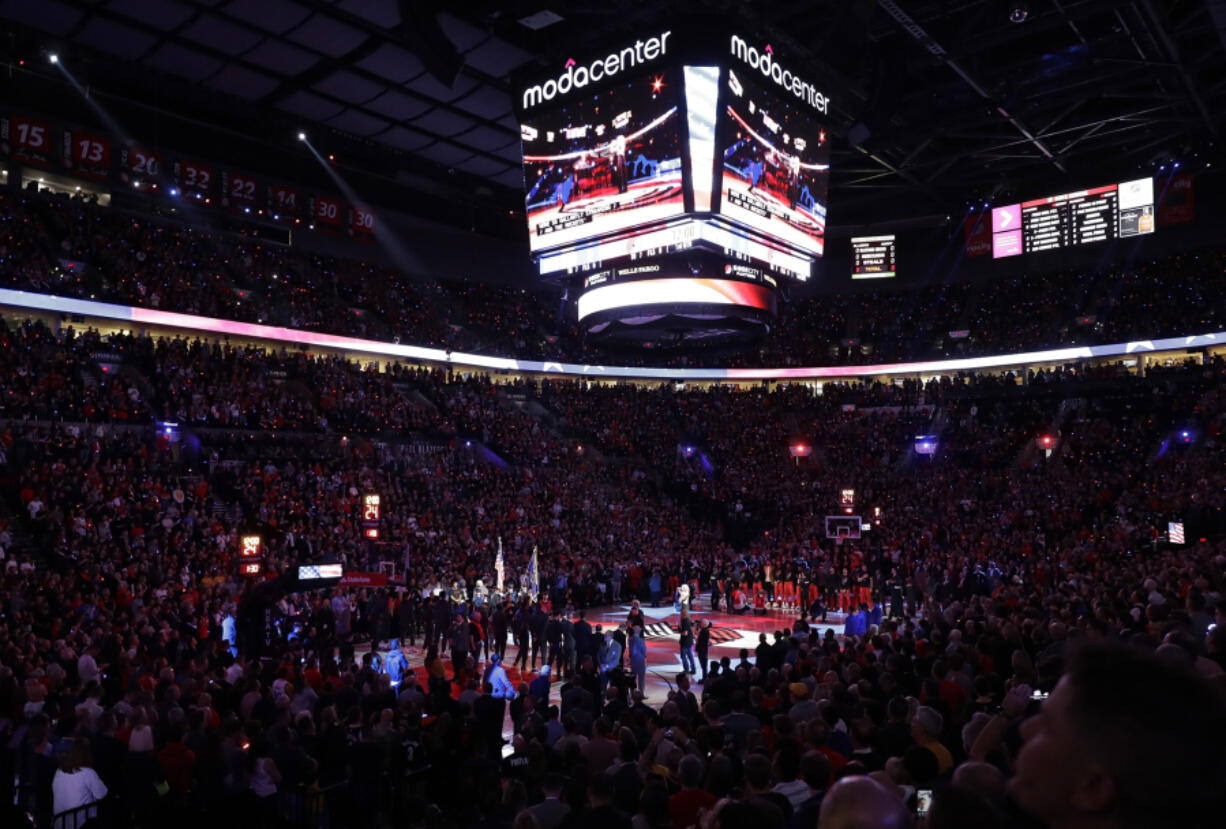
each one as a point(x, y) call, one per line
point(842, 527)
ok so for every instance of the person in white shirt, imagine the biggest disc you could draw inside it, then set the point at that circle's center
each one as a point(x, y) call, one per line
point(76, 784)
point(87, 666)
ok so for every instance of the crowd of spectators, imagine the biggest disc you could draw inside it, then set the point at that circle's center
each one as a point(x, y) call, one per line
point(73, 247)
point(68, 246)
point(130, 665)
point(1041, 652)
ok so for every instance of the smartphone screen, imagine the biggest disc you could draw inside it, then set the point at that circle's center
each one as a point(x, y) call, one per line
point(923, 802)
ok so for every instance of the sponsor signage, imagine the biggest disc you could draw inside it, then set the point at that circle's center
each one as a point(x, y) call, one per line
point(364, 579)
point(576, 76)
point(763, 60)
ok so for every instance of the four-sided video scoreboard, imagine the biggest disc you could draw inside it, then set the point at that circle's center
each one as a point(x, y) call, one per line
point(683, 173)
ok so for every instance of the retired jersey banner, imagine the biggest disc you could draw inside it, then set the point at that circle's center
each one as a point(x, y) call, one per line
point(27, 139)
point(87, 154)
point(1175, 202)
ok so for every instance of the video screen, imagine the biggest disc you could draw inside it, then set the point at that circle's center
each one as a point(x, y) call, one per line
point(776, 166)
point(307, 572)
point(1082, 217)
point(678, 291)
point(605, 162)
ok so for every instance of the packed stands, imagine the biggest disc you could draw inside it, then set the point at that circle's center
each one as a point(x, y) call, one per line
point(994, 567)
point(67, 246)
point(1034, 526)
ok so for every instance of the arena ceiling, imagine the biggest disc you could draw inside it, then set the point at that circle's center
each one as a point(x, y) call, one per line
point(934, 103)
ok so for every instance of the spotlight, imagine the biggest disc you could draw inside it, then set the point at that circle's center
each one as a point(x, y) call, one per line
point(174, 191)
point(53, 57)
point(1019, 10)
point(302, 136)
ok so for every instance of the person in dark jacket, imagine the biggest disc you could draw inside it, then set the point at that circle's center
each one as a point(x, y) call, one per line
point(459, 637)
point(686, 643)
point(145, 781)
point(702, 646)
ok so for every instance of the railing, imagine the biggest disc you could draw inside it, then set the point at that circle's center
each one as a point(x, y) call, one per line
point(95, 815)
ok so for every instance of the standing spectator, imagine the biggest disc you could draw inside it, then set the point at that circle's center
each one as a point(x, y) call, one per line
point(926, 728)
point(178, 764)
point(686, 643)
point(145, 780)
point(635, 618)
point(638, 658)
point(703, 647)
point(76, 785)
point(459, 637)
point(552, 811)
point(685, 805)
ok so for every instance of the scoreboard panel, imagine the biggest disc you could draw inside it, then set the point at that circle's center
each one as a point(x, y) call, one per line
point(1082, 217)
point(872, 257)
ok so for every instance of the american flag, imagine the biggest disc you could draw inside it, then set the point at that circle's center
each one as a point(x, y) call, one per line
point(500, 566)
point(1174, 530)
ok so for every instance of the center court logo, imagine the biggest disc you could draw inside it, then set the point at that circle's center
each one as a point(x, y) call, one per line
point(577, 77)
